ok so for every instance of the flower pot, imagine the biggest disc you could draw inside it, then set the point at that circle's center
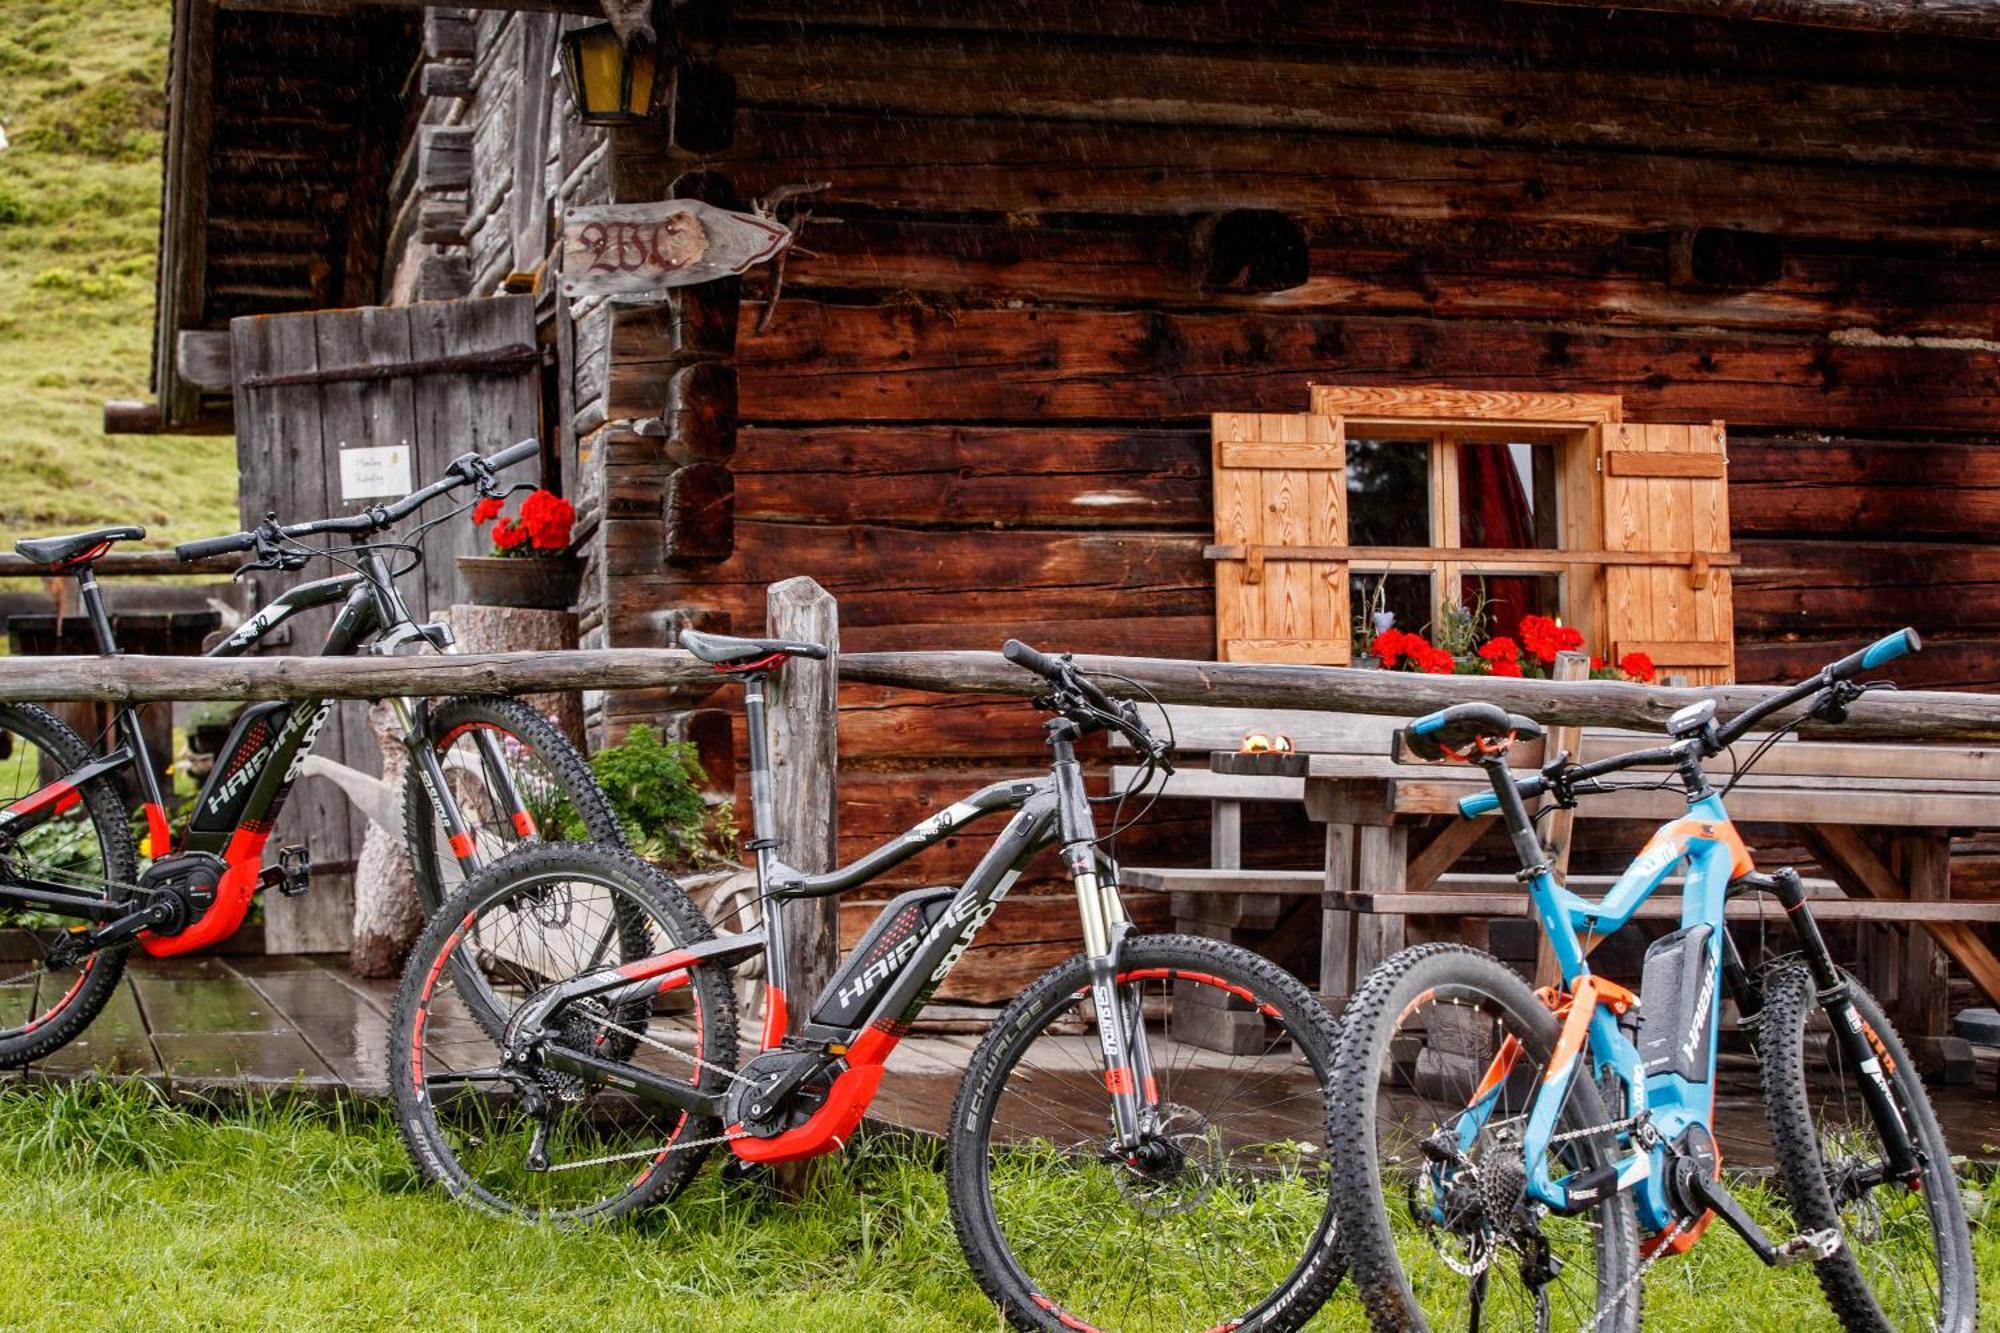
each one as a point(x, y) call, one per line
point(542, 583)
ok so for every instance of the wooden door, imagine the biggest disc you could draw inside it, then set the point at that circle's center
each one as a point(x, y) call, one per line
point(1280, 482)
point(432, 381)
point(1666, 495)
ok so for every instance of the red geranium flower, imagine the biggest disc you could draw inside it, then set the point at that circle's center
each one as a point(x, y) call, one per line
point(1545, 638)
point(1391, 644)
point(1432, 661)
point(1501, 649)
point(1636, 665)
point(485, 509)
point(548, 518)
point(1506, 666)
point(508, 535)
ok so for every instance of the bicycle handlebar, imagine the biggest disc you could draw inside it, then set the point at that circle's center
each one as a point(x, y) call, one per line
point(1062, 673)
point(466, 469)
point(1885, 649)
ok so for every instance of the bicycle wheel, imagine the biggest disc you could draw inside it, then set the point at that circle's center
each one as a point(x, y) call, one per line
point(1432, 1192)
point(87, 849)
point(473, 1120)
point(1230, 1227)
point(1906, 1258)
point(557, 790)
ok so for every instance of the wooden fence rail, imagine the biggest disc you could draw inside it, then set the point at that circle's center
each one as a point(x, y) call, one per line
point(1910, 715)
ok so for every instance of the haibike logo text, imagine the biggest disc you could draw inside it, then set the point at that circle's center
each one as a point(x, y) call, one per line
point(878, 971)
point(1706, 994)
point(238, 780)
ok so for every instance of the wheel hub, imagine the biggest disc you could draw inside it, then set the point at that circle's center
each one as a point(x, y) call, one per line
point(1173, 1169)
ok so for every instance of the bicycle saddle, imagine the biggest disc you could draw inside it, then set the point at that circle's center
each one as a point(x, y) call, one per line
point(1450, 730)
point(76, 548)
point(731, 653)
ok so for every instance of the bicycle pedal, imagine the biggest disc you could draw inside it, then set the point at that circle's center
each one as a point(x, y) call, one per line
point(1808, 1247)
point(292, 875)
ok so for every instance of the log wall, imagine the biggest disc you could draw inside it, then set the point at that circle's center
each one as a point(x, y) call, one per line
point(979, 407)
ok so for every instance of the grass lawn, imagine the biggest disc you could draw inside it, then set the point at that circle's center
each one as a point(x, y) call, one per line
point(119, 1211)
point(82, 97)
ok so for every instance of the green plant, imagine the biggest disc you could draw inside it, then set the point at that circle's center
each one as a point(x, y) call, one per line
point(1460, 628)
point(655, 788)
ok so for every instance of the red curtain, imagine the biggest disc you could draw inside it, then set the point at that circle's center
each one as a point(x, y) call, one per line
point(1494, 511)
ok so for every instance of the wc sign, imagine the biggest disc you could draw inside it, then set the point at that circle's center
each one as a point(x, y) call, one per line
point(375, 473)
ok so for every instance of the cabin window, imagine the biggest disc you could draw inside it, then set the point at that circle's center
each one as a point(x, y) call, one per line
point(1487, 492)
point(1412, 507)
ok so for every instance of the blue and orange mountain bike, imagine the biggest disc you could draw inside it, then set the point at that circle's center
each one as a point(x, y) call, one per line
point(1499, 1152)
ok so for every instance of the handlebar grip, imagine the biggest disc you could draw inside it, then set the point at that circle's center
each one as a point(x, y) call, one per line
point(514, 453)
point(1480, 803)
point(1889, 648)
point(1885, 649)
point(1020, 654)
point(208, 546)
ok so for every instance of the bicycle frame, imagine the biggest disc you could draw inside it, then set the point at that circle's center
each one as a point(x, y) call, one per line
point(1708, 844)
point(237, 806)
point(1046, 810)
point(1660, 1106)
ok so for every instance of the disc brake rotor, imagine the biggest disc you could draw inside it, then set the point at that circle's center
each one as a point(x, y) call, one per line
point(1178, 1170)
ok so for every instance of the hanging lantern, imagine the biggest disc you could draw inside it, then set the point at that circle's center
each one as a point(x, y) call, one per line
point(609, 82)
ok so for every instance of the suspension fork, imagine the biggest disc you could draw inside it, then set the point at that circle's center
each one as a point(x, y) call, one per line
point(1121, 1025)
point(1835, 995)
point(415, 721)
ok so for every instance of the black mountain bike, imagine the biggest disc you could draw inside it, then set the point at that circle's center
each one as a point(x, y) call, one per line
point(564, 1046)
point(484, 775)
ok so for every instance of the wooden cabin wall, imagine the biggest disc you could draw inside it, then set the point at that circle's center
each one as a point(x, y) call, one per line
point(492, 153)
point(979, 408)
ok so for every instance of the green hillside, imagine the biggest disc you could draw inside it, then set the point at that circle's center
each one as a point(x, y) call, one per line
point(82, 97)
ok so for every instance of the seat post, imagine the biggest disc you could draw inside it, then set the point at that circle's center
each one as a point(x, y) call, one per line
point(93, 607)
point(761, 814)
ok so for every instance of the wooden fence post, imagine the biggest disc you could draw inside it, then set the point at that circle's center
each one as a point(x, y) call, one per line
point(804, 711)
point(1562, 824)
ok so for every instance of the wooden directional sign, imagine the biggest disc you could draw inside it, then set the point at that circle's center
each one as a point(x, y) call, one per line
point(637, 252)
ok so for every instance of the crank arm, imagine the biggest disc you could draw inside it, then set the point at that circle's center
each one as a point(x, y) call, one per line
point(653, 1087)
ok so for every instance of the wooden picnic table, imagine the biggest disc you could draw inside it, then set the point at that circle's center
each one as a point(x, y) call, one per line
point(1878, 820)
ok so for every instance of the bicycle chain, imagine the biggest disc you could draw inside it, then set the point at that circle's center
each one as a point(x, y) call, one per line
point(695, 1060)
point(1666, 1240)
point(660, 1151)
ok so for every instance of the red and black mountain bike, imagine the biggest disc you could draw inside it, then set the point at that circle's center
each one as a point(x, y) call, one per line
point(484, 774)
point(1139, 1142)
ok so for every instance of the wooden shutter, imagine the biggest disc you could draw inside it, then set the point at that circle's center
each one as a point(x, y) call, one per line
point(1666, 495)
point(1280, 482)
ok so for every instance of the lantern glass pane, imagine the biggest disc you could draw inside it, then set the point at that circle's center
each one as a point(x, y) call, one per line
point(643, 65)
point(601, 63)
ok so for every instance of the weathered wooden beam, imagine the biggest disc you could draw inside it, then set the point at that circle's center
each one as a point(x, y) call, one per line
point(1884, 715)
point(1934, 18)
point(448, 35)
point(446, 78)
point(444, 158)
point(125, 417)
point(128, 563)
point(202, 357)
point(137, 678)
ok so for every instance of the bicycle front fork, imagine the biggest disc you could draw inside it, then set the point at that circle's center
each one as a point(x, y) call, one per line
point(1121, 1018)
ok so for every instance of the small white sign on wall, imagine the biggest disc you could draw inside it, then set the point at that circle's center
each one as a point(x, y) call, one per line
point(371, 474)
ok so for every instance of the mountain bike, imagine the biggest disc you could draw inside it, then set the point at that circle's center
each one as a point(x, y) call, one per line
point(485, 773)
point(1498, 1151)
point(564, 1047)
